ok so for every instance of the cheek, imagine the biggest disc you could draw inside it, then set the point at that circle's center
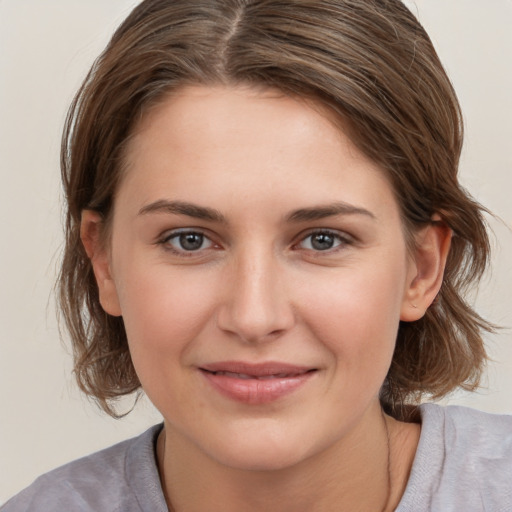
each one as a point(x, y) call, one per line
point(164, 314)
point(164, 311)
point(356, 313)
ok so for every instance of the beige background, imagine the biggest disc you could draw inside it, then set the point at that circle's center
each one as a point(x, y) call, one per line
point(45, 49)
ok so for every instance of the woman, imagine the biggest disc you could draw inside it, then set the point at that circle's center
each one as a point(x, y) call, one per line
point(266, 234)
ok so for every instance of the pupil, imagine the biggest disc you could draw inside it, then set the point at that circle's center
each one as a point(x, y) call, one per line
point(322, 241)
point(191, 241)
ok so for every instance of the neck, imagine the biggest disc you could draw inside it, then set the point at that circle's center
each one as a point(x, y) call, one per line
point(367, 470)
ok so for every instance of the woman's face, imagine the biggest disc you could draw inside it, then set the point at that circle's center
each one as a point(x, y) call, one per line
point(259, 263)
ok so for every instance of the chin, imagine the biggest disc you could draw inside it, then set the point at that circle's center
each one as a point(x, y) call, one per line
point(262, 451)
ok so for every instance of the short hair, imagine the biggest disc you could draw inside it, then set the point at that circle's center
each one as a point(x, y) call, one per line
point(372, 64)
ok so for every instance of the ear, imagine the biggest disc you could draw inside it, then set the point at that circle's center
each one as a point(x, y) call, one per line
point(426, 270)
point(90, 233)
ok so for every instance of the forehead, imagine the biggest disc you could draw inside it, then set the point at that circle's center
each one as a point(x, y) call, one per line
point(236, 111)
point(253, 141)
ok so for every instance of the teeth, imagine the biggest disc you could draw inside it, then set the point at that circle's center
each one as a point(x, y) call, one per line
point(246, 377)
point(235, 375)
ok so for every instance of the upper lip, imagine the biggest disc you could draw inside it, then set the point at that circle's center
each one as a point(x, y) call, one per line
point(265, 369)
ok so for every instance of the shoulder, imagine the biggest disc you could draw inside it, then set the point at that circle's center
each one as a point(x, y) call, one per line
point(465, 434)
point(120, 478)
point(463, 461)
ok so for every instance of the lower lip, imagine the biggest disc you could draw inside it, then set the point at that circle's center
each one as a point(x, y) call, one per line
point(256, 391)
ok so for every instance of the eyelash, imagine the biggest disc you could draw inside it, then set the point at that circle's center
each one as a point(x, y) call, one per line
point(341, 241)
point(165, 242)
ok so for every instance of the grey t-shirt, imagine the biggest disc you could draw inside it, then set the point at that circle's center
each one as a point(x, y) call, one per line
point(463, 464)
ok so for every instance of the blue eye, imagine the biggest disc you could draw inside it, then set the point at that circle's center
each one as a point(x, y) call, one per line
point(322, 241)
point(188, 241)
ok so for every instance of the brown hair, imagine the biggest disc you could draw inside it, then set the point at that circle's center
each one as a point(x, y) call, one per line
point(368, 61)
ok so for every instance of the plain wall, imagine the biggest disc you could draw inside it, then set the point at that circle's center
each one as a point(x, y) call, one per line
point(45, 51)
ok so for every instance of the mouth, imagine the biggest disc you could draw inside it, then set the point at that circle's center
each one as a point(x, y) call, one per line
point(258, 377)
point(256, 383)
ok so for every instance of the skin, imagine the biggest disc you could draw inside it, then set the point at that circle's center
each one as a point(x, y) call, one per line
point(258, 289)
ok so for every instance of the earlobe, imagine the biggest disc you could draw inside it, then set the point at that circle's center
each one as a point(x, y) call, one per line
point(426, 269)
point(90, 233)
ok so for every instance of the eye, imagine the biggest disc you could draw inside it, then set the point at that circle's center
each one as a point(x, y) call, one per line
point(323, 241)
point(187, 241)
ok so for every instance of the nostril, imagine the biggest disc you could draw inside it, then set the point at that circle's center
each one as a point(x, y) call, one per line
point(261, 323)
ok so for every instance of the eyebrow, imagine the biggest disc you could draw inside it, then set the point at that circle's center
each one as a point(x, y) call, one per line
point(329, 210)
point(211, 214)
point(183, 208)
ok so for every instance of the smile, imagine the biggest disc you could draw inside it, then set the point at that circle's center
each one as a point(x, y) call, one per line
point(256, 384)
point(259, 377)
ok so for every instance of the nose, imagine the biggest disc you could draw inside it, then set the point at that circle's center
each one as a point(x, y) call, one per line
point(256, 306)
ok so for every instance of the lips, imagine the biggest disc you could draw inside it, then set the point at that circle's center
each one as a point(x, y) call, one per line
point(259, 377)
point(256, 383)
